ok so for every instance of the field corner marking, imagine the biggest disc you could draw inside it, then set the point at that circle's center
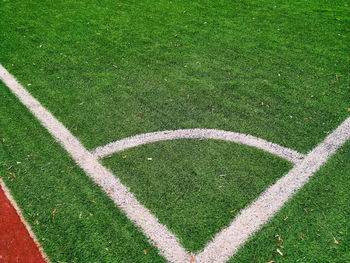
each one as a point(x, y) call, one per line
point(229, 136)
point(292, 182)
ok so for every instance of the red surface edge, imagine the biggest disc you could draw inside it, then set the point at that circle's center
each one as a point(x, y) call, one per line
point(16, 244)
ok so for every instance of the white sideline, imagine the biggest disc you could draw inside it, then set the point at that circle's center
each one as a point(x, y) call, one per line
point(25, 223)
point(134, 141)
point(227, 242)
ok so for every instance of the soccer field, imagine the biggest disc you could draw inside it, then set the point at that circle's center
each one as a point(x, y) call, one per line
point(177, 131)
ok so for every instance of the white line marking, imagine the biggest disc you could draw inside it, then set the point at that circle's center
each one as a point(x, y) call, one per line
point(21, 217)
point(126, 143)
point(227, 242)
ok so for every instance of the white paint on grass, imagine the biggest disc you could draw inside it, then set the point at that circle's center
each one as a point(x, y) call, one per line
point(134, 141)
point(21, 217)
point(227, 242)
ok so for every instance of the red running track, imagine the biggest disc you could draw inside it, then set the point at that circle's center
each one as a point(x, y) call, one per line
point(16, 244)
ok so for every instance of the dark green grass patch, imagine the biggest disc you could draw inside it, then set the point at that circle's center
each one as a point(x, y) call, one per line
point(196, 187)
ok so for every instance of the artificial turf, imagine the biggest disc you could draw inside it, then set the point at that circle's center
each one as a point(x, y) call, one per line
point(278, 70)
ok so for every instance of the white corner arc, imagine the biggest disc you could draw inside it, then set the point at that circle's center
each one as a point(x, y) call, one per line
point(240, 138)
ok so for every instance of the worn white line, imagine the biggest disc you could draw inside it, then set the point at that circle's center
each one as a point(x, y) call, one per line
point(25, 223)
point(252, 218)
point(158, 234)
point(134, 141)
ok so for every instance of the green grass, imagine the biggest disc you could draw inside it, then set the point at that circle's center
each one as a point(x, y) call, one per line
point(86, 226)
point(278, 70)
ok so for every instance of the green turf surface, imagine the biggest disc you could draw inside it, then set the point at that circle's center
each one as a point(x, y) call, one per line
point(278, 70)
